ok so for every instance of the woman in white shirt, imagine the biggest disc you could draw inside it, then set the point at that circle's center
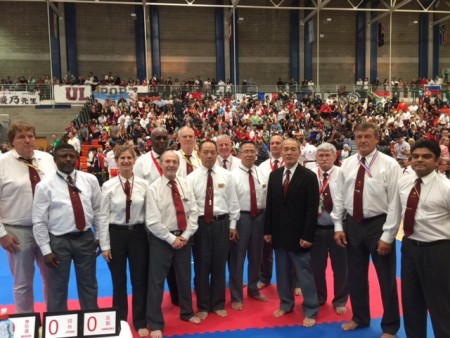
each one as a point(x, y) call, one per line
point(123, 237)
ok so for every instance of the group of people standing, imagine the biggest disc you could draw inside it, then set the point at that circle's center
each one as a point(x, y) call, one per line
point(166, 205)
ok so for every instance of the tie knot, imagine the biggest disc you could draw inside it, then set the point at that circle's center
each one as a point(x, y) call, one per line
point(276, 161)
point(418, 181)
point(30, 161)
point(188, 156)
point(249, 171)
point(288, 172)
point(363, 160)
point(173, 182)
point(325, 175)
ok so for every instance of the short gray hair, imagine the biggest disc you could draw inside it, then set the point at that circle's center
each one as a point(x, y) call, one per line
point(327, 147)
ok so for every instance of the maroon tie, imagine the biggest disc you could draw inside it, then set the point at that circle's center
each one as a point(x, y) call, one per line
point(327, 201)
point(189, 167)
point(253, 204)
point(224, 164)
point(78, 212)
point(286, 182)
point(127, 190)
point(209, 199)
point(34, 176)
point(179, 208)
point(411, 207)
point(358, 214)
point(275, 164)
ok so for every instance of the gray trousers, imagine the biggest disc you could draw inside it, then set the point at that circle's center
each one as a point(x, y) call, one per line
point(79, 249)
point(162, 257)
point(22, 268)
point(251, 233)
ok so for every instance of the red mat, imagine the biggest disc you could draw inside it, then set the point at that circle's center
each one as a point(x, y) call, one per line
point(254, 314)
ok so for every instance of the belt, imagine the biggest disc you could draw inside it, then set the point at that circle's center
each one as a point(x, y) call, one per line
point(215, 217)
point(249, 212)
point(420, 243)
point(369, 219)
point(75, 234)
point(311, 161)
point(126, 226)
point(176, 232)
point(328, 227)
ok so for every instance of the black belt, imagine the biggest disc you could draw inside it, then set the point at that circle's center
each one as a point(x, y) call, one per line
point(249, 212)
point(75, 234)
point(311, 161)
point(176, 232)
point(126, 226)
point(327, 227)
point(215, 217)
point(370, 219)
point(420, 243)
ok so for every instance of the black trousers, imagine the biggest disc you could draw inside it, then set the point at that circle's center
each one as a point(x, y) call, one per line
point(131, 246)
point(426, 287)
point(211, 247)
point(362, 245)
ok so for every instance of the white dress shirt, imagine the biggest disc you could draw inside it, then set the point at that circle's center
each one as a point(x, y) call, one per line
point(309, 155)
point(75, 142)
point(267, 167)
point(432, 217)
point(145, 167)
point(232, 162)
point(379, 194)
point(240, 176)
point(52, 207)
point(113, 206)
point(16, 197)
point(225, 198)
point(161, 216)
point(195, 161)
point(324, 217)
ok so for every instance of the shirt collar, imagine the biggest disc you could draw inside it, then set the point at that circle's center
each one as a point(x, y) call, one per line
point(17, 156)
point(205, 170)
point(427, 179)
point(292, 170)
point(369, 156)
point(64, 175)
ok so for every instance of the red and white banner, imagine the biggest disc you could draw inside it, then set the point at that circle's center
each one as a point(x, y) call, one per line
point(72, 94)
point(19, 98)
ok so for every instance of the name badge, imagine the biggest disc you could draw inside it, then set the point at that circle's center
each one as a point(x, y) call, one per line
point(221, 185)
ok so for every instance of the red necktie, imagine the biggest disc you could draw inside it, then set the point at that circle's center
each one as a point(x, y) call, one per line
point(286, 182)
point(34, 176)
point(78, 212)
point(358, 214)
point(127, 190)
point(189, 167)
point(327, 201)
point(253, 204)
point(209, 199)
point(275, 164)
point(411, 207)
point(179, 208)
point(224, 164)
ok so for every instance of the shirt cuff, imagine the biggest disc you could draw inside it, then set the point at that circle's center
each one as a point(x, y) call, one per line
point(46, 249)
point(232, 225)
point(3, 231)
point(338, 226)
point(387, 237)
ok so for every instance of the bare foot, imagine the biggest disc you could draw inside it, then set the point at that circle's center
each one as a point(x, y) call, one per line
point(262, 285)
point(298, 291)
point(195, 320)
point(309, 322)
point(236, 306)
point(156, 334)
point(387, 335)
point(143, 332)
point(221, 313)
point(260, 298)
point(340, 310)
point(349, 326)
point(202, 315)
point(279, 313)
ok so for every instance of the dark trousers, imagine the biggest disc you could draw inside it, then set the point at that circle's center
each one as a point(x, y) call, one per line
point(251, 233)
point(131, 246)
point(362, 244)
point(426, 286)
point(324, 246)
point(162, 258)
point(81, 250)
point(211, 251)
point(265, 275)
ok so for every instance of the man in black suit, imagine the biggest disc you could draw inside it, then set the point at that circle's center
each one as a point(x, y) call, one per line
point(290, 224)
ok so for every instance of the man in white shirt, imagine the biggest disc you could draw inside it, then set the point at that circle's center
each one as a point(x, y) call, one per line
point(309, 154)
point(367, 188)
point(75, 142)
point(171, 218)
point(20, 170)
point(65, 209)
point(324, 244)
point(189, 160)
point(215, 193)
point(274, 162)
point(425, 203)
point(251, 189)
point(401, 149)
point(225, 159)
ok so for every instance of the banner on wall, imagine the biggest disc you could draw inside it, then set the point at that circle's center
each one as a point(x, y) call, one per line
point(19, 98)
point(102, 97)
point(72, 94)
point(115, 90)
